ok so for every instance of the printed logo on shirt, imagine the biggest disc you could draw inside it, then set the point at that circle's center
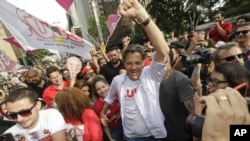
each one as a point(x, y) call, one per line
point(32, 136)
point(20, 137)
point(74, 133)
point(130, 93)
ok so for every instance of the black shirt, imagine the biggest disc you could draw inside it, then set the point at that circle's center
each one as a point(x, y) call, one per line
point(109, 71)
point(39, 90)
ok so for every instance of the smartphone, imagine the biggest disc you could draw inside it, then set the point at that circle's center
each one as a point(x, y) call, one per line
point(242, 85)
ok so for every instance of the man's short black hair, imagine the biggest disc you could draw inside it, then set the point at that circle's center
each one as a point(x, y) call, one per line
point(221, 13)
point(245, 17)
point(108, 49)
point(177, 44)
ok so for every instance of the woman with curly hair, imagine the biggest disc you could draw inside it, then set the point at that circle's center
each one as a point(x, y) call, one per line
point(82, 121)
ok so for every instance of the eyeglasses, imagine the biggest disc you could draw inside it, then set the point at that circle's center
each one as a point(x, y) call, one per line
point(24, 113)
point(243, 32)
point(231, 58)
point(215, 82)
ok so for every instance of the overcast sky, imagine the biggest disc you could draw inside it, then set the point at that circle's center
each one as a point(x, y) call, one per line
point(47, 10)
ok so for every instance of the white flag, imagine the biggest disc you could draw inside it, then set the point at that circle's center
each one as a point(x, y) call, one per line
point(31, 32)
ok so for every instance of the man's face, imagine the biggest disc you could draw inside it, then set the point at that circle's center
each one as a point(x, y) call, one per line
point(148, 55)
point(113, 56)
point(231, 56)
point(243, 35)
point(134, 65)
point(28, 121)
point(240, 21)
point(218, 18)
point(56, 78)
point(34, 77)
point(66, 74)
point(219, 78)
point(171, 34)
point(180, 51)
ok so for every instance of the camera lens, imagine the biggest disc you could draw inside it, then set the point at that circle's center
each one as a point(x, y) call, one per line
point(194, 124)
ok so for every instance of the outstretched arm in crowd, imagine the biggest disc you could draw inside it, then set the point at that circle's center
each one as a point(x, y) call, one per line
point(133, 9)
point(195, 78)
point(94, 60)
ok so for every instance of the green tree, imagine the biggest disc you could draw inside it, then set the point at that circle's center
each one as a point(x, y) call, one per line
point(235, 7)
point(180, 14)
point(38, 55)
point(92, 29)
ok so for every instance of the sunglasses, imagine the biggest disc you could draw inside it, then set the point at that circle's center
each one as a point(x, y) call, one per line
point(24, 113)
point(243, 32)
point(215, 82)
point(231, 58)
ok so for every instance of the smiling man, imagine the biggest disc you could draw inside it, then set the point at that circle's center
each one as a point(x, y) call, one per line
point(24, 107)
point(243, 38)
point(138, 89)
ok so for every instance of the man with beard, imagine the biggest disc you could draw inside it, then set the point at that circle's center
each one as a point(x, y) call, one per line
point(111, 69)
point(222, 30)
point(36, 82)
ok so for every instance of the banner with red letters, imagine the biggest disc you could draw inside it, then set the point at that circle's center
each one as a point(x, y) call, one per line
point(31, 32)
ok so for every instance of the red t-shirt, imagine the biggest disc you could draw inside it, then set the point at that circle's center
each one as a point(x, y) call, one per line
point(50, 93)
point(215, 36)
point(113, 109)
point(146, 62)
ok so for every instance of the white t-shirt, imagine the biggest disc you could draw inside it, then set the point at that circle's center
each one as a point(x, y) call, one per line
point(135, 125)
point(50, 122)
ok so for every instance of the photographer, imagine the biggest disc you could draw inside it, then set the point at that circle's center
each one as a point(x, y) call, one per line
point(223, 76)
point(195, 43)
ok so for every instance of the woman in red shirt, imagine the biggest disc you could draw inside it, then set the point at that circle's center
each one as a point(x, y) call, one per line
point(114, 130)
point(82, 122)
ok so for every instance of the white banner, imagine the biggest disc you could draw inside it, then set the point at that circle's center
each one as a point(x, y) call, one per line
point(31, 32)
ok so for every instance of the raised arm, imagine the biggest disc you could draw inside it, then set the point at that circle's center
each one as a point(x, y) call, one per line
point(133, 9)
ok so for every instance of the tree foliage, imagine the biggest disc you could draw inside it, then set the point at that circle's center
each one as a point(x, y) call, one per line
point(92, 29)
point(236, 7)
point(180, 15)
point(38, 55)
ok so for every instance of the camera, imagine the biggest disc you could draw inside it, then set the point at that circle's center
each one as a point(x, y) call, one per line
point(194, 123)
point(203, 55)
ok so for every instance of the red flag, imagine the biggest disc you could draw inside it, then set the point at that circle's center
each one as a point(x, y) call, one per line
point(65, 3)
point(112, 22)
point(13, 42)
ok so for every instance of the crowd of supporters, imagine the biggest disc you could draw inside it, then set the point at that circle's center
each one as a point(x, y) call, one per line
point(136, 92)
